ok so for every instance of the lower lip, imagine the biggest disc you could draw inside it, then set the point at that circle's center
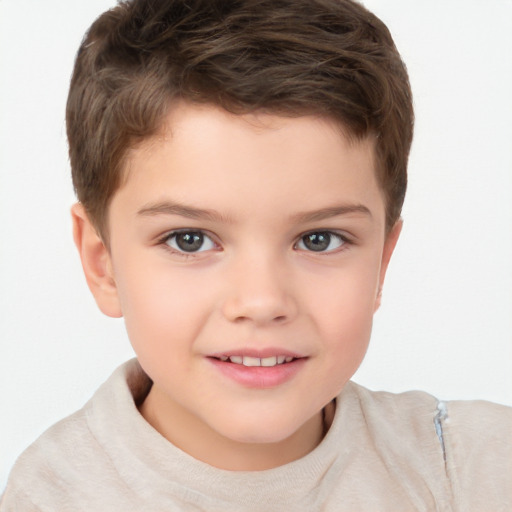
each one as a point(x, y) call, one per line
point(260, 377)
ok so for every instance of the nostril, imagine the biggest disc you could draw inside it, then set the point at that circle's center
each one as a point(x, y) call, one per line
point(259, 308)
point(278, 319)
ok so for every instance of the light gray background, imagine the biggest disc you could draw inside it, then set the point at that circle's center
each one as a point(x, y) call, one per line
point(446, 321)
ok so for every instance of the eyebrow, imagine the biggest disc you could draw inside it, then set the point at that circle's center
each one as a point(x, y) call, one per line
point(332, 211)
point(190, 212)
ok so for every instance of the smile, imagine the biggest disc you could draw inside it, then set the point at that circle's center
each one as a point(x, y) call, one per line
point(257, 361)
point(264, 372)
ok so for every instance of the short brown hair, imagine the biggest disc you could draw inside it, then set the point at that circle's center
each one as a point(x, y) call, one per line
point(292, 57)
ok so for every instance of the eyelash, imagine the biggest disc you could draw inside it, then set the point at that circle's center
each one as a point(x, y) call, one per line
point(344, 242)
point(164, 241)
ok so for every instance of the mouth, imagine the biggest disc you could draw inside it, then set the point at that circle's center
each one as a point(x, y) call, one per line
point(262, 369)
point(267, 362)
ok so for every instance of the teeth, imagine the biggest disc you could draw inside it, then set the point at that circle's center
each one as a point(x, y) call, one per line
point(269, 361)
point(256, 361)
point(251, 361)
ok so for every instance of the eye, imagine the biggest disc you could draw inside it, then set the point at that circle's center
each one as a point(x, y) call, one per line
point(321, 241)
point(190, 241)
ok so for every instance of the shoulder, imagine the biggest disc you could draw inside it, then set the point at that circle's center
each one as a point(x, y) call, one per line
point(489, 422)
point(468, 443)
point(482, 425)
point(71, 459)
point(478, 443)
point(43, 470)
point(484, 422)
point(409, 415)
point(401, 427)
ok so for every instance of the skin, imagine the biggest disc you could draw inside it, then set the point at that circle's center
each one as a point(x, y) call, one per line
point(254, 185)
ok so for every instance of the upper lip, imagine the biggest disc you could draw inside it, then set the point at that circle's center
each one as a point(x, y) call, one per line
point(257, 353)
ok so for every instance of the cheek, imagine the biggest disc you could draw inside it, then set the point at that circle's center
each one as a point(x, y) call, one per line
point(346, 333)
point(163, 309)
point(344, 317)
point(346, 342)
point(345, 298)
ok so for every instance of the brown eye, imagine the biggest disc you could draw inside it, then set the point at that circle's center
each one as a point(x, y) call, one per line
point(190, 241)
point(320, 241)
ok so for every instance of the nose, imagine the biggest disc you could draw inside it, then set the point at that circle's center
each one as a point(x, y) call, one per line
point(260, 292)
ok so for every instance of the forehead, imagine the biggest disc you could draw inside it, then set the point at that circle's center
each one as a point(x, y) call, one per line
point(203, 152)
point(201, 123)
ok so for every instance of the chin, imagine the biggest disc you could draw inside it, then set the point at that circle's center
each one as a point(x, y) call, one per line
point(261, 437)
point(260, 432)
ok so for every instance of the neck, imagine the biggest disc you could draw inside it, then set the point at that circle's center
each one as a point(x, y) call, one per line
point(196, 438)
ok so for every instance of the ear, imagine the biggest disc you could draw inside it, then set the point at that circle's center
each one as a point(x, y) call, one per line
point(96, 262)
point(389, 247)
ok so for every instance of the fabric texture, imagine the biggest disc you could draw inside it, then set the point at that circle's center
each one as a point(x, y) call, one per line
point(383, 452)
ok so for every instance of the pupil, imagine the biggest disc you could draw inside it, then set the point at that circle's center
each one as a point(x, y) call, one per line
point(317, 241)
point(189, 242)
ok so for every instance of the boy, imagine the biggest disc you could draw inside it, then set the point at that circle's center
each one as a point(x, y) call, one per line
point(241, 168)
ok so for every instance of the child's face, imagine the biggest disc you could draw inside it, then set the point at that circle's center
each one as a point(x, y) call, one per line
point(255, 237)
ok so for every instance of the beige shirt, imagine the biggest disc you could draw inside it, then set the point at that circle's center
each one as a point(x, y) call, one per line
point(383, 452)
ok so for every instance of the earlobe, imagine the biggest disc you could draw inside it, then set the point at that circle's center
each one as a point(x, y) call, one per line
point(389, 247)
point(96, 262)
